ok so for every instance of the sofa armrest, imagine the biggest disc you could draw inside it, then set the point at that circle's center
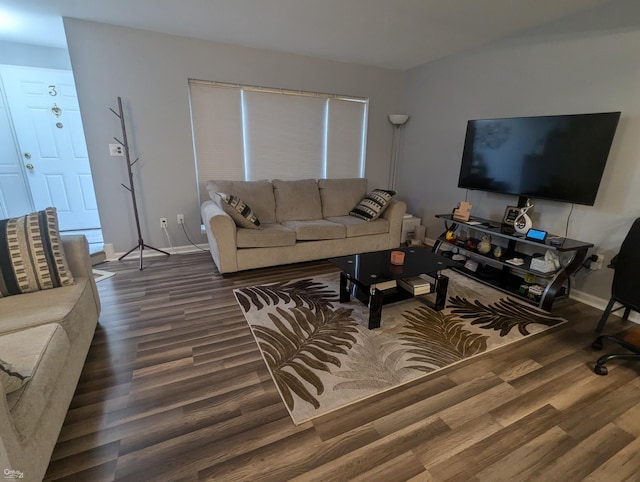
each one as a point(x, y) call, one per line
point(394, 214)
point(221, 234)
point(76, 250)
point(8, 435)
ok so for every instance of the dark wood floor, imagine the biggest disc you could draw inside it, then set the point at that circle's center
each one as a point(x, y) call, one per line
point(174, 389)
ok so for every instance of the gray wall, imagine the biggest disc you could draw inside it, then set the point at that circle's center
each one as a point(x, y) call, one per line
point(150, 71)
point(588, 63)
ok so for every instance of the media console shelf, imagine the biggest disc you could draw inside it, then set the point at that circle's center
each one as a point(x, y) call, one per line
point(504, 276)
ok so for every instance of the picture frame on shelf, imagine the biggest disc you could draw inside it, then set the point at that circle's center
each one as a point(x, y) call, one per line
point(510, 215)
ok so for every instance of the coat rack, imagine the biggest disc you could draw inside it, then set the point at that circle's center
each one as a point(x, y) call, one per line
point(124, 143)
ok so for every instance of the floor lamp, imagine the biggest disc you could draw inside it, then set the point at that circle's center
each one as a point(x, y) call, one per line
point(397, 120)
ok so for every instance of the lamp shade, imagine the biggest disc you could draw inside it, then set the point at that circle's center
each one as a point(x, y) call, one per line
point(398, 119)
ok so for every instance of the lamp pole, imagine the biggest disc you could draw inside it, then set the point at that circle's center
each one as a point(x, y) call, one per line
point(397, 121)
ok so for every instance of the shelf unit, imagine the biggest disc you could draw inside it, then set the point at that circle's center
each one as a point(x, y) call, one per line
point(505, 276)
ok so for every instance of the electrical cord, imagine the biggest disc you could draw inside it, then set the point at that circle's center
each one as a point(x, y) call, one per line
point(169, 239)
point(189, 239)
point(566, 228)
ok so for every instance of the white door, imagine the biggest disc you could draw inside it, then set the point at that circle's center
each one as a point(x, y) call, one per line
point(15, 199)
point(46, 117)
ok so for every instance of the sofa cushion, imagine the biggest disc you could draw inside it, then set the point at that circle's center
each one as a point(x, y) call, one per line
point(29, 404)
point(271, 235)
point(239, 211)
point(257, 194)
point(31, 254)
point(316, 229)
point(26, 311)
point(297, 200)
point(373, 204)
point(359, 227)
point(338, 196)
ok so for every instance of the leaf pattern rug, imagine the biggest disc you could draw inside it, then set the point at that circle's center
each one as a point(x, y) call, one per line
point(322, 356)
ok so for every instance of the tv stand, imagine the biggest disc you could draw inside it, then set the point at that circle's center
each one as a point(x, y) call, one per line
point(508, 277)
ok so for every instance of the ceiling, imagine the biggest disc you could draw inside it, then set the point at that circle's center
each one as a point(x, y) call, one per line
point(397, 34)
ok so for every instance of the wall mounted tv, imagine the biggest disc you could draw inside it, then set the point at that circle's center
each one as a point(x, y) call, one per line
point(559, 157)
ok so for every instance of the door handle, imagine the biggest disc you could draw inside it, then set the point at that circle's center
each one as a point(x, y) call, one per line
point(29, 166)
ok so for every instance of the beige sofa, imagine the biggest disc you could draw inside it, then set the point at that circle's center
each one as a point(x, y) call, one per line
point(55, 328)
point(299, 221)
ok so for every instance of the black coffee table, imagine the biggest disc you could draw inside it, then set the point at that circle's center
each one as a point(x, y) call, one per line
point(360, 273)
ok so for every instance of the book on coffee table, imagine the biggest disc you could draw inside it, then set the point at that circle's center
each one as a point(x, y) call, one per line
point(385, 285)
point(416, 285)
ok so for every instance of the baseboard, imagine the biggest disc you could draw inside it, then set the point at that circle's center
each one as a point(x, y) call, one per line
point(149, 253)
point(587, 299)
point(599, 303)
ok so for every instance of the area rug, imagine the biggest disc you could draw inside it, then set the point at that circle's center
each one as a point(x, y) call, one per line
point(322, 357)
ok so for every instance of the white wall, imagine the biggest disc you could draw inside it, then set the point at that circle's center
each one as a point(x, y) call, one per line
point(150, 71)
point(588, 63)
point(13, 53)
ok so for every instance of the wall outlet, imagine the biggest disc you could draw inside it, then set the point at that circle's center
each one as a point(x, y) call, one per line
point(599, 261)
point(116, 150)
point(596, 262)
point(163, 222)
point(180, 218)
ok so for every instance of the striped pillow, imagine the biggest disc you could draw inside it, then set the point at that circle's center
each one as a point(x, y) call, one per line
point(239, 211)
point(31, 254)
point(373, 204)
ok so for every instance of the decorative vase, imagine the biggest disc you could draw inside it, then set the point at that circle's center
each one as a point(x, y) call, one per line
point(522, 224)
point(497, 252)
point(484, 246)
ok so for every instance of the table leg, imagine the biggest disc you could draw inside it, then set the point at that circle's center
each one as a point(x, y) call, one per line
point(375, 308)
point(345, 296)
point(441, 285)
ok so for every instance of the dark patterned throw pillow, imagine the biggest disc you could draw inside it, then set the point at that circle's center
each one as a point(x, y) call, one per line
point(373, 204)
point(31, 254)
point(239, 211)
point(10, 379)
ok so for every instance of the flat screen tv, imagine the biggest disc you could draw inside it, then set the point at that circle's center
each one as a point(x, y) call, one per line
point(559, 157)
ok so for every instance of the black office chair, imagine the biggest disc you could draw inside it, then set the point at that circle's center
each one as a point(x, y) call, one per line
point(625, 290)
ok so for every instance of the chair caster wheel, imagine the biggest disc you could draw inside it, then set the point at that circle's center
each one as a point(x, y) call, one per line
point(597, 345)
point(600, 370)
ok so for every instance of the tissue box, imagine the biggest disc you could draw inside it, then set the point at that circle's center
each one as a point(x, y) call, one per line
point(542, 265)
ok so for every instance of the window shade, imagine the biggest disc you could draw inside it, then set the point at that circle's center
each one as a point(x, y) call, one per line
point(284, 136)
point(252, 133)
point(346, 138)
point(216, 117)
